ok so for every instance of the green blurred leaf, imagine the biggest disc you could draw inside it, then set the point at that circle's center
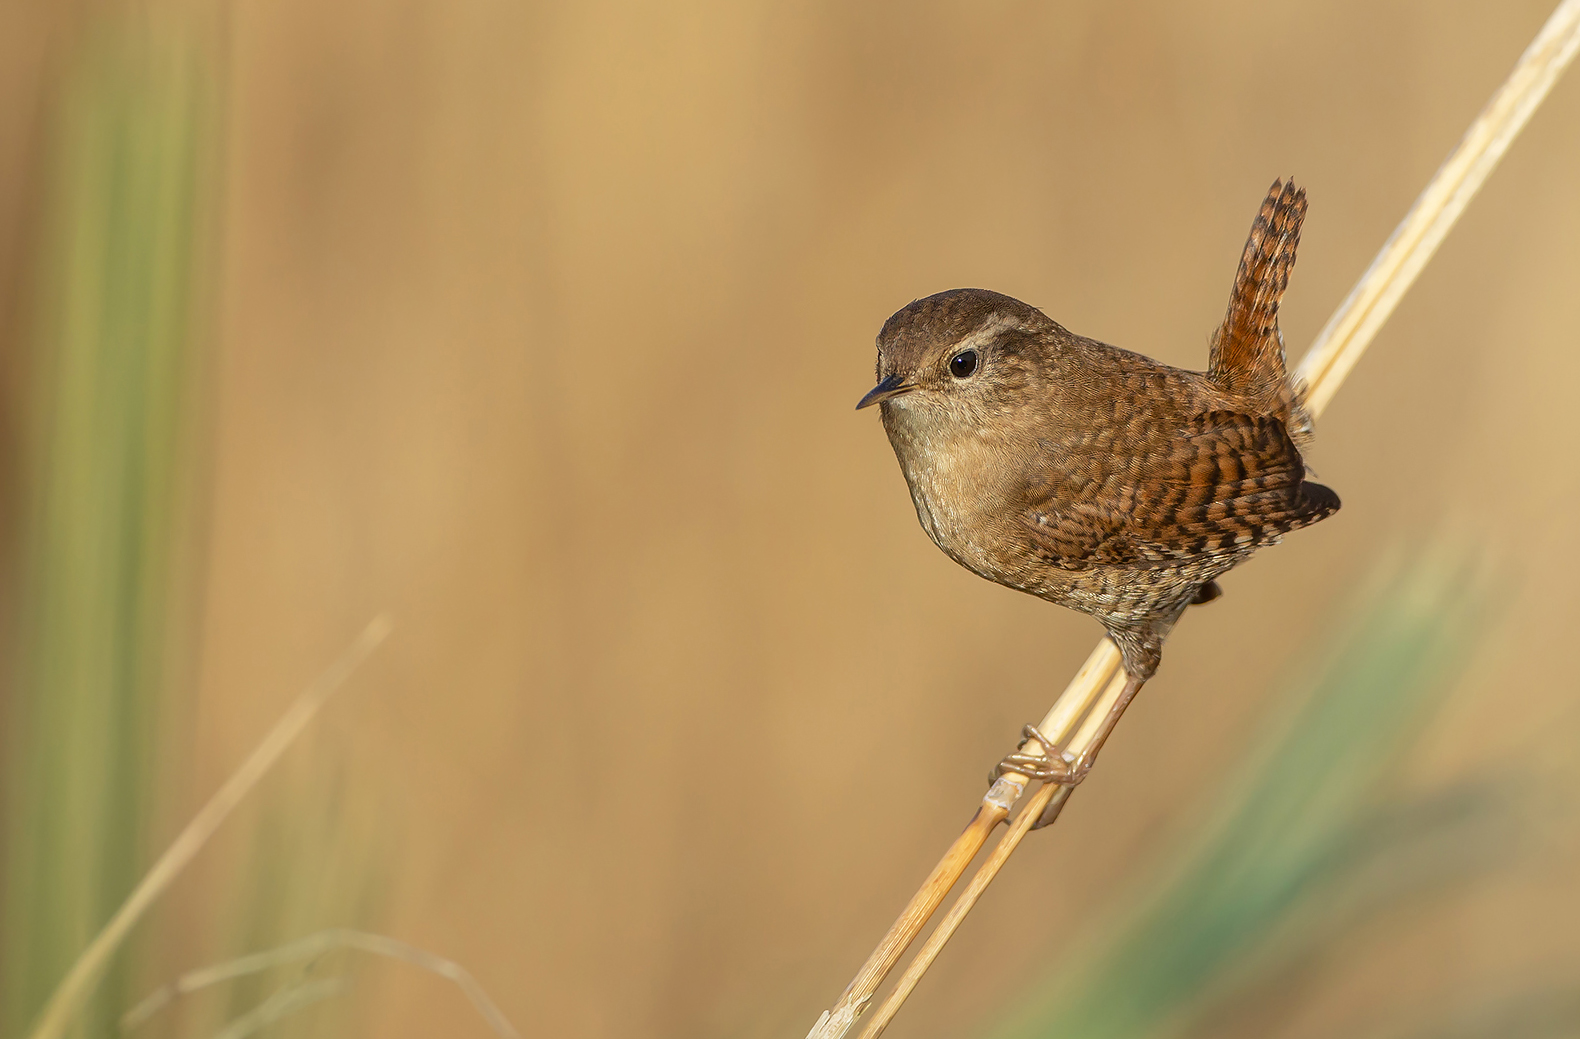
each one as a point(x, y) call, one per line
point(1301, 847)
point(111, 365)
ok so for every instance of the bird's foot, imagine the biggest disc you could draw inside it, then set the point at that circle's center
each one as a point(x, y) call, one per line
point(1053, 765)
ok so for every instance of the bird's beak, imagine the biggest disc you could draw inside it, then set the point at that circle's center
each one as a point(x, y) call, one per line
point(891, 386)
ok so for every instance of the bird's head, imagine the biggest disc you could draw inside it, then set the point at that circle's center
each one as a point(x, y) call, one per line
point(953, 360)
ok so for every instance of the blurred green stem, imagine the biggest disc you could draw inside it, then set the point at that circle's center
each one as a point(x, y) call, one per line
point(111, 380)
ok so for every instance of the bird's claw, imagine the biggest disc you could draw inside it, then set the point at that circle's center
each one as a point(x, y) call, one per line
point(1051, 766)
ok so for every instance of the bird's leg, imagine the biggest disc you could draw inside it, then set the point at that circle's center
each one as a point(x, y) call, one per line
point(1053, 766)
point(1133, 685)
point(1141, 649)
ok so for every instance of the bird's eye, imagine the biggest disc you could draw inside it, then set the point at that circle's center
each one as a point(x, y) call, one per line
point(963, 364)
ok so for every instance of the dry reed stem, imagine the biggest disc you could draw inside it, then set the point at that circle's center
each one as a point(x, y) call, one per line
point(1049, 795)
point(1329, 360)
point(1351, 328)
point(993, 809)
point(963, 905)
point(74, 988)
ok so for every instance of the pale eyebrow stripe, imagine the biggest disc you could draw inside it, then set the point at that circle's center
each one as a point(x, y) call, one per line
point(989, 330)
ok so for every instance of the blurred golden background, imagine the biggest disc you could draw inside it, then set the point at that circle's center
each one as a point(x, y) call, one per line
point(540, 327)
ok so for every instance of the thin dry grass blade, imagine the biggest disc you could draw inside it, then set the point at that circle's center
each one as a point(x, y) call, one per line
point(74, 988)
point(311, 947)
point(280, 1006)
point(1323, 370)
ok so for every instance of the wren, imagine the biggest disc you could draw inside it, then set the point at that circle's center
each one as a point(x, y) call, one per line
point(1094, 477)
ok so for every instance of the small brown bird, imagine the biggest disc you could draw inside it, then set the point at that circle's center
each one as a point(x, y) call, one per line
point(1094, 477)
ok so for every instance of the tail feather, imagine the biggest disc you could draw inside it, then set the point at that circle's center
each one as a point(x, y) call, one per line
point(1248, 350)
point(1317, 501)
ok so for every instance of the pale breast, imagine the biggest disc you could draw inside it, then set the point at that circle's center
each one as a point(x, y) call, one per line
point(958, 486)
